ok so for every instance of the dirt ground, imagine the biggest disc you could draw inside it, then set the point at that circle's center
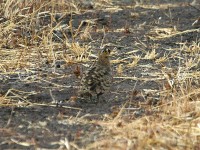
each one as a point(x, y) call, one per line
point(150, 42)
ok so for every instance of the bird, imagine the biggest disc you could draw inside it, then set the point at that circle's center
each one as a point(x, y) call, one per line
point(98, 78)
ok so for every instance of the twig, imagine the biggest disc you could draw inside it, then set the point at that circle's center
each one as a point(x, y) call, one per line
point(104, 35)
point(51, 105)
point(179, 33)
point(194, 7)
point(142, 79)
point(10, 118)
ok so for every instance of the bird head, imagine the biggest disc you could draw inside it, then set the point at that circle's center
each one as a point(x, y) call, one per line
point(103, 57)
point(105, 52)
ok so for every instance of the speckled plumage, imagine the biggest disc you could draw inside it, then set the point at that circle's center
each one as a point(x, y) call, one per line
point(98, 78)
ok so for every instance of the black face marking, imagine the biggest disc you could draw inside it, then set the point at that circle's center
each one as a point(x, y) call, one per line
point(107, 51)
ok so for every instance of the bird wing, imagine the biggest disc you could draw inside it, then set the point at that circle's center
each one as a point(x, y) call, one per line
point(96, 80)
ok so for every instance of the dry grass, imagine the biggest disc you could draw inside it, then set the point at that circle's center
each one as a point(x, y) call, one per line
point(173, 123)
point(33, 32)
point(174, 126)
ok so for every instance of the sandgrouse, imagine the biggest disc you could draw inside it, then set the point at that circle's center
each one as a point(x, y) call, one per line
point(98, 78)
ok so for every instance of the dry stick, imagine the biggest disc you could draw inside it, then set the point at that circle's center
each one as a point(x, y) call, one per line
point(55, 33)
point(21, 143)
point(123, 107)
point(68, 107)
point(10, 118)
point(53, 99)
point(142, 79)
point(17, 95)
point(194, 7)
point(70, 25)
point(104, 35)
point(179, 33)
point(58, 85)
point(120, 112)
point(142, 43)
point(35, 104)
point(79, 28)
point(38, 104)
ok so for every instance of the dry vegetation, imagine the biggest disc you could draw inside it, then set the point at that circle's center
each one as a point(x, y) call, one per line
point(43, 45)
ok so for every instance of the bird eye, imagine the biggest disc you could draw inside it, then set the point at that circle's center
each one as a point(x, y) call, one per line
point(108, 50)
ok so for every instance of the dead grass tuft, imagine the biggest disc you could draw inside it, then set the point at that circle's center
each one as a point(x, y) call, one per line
point(176, 125)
